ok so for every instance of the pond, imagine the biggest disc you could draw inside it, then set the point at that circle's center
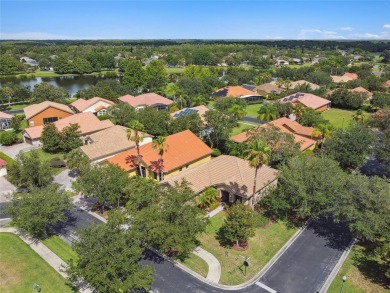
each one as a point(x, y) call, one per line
point(71, 83)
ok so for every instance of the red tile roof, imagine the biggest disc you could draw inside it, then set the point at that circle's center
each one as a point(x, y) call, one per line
point(360, 89)
point(88, 123)
point(149, 99)
point(301, 133)
point(351, 75)
point(82, 104)
point(308, 100)
point(234, 91)
point(5, 115)
point(182, 148)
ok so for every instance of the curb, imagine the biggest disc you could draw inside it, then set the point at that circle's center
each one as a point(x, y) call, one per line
point(337, 267)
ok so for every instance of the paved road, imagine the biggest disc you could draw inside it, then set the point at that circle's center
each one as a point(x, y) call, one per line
point(3, 214)
point(12, 112)
point(251, 119)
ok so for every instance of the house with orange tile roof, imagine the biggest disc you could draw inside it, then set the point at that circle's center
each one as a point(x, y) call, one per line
point(348, 76)
point(351, 75)
point(5, 121)
point(361, 89)
point(96, 105)
point(237, 92)
point(302, 134)
point(308, 100)
point(88, 123)
point(149, 99)
point(45, 112)
point(184, 150)
point(108, 142)
point(231, 176)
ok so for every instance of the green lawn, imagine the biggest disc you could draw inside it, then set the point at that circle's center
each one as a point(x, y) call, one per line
point(262, 247)
point(61, 248)
point(175, 70)
point(356, 282)
point(44, 156)
point(18, 106)
point(241, 128)
point(196, 264)
point(339, 117)
point(21, 267)
point(252, 109)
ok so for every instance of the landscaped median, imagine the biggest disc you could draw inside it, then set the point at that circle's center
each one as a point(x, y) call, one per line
point(262, 247)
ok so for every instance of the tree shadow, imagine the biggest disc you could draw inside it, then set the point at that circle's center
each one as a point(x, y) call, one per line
point(220, 236)
point(152, 256)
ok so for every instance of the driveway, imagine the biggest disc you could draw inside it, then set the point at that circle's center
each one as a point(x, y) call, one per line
point(65, 179)
point(6, 188)
point(13, 150)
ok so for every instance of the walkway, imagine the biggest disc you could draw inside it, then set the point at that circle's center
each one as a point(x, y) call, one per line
point(50, 257)
point(214, 273)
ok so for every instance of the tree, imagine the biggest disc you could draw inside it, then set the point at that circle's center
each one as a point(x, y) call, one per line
point(155, 76)
point(76, 159)
point(161, 146)
point(9, 64)
point(208, 197)
point(237, 111)
point(345, 99)
point(358, 116)
point(109, 259)
point(192, 122)
point(171, 90)
point(70, 138)
point(16, 122)
point(268, 112)
point(381, 119)
point(134, 76)
point(307, 188)
point(350, 146)
point(105, 183)
point(380, 100)
point(312, 118)
point(8, 137)
point(322, 131)
point(299, 109)
point(35, 211)
point(156, 122)
point(284, 109)
point(122, 114)
point(218, 128)
point(47, 92)
point(29, 170)
point(50, 138)
point(257, 155)
point(239, 225)
point(170, 222)
point(382, 149)
point(136, 134)
point(385, 56)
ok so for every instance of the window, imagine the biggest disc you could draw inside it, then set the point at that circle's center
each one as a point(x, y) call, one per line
point(102, 112)
point(32, 123)
point(158, 176)
point(49, 119)
point(143, 171)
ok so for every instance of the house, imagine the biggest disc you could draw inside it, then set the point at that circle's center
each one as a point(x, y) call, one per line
point(42, 113)
point(184, 151)
point(360, 89)
point(5, 121)
point(268, 88)
point(344, 78)
point(149, 99)
point(308, 100)
point(302, 134)
point(88, 123)
point(297, 60)
point(3, 168)
point(200, 110)
point(96, 105)
point(237, 92)
point(232, 176)
point(351, 75)
point(298, 83)
point(250, 87)
point(281, 62)
point(108, 142)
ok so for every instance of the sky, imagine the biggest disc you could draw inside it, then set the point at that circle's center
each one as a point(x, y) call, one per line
point(261, 19)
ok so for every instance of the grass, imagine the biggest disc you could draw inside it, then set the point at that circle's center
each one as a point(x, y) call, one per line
point(18, 106)
point(241, 128)
point(262, 247)
point(356, 282)
point(21, 267)
point(173, 70)
point(340, 118)
point(61, 248)
point(44, 156)
point(6, 158)
point(252, 109)
point(196, 264)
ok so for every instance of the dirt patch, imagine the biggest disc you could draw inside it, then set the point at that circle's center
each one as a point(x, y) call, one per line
point(239, 248)
point(10, 274)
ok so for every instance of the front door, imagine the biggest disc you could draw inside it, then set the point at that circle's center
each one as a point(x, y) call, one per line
point(224, 196)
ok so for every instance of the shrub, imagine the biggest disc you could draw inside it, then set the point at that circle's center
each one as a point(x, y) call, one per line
point(216, 152)
point(8, 138)
point(103, 117)
point(57, 163)
point(260, 220)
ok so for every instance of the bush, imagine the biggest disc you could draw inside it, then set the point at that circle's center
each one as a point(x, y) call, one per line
point(57, 163)
point(103, 117)
point(213, 205)
point(261, 220)
point(8, 138)
point(216, 152)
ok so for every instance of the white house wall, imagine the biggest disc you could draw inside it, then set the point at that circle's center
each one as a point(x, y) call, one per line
point(96, 105)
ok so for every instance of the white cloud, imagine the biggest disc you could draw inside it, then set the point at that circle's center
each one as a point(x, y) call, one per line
point(38, 36)
point(319, 34)
point(386, 25)
point(346, 28)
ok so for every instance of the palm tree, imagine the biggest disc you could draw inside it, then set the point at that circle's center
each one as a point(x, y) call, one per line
point(161, 146)
point(136, 133)
point(358, 116)
point(323, 131)
point(257, 154)
point(268, 112)
point(237, 111)
point(298, 111)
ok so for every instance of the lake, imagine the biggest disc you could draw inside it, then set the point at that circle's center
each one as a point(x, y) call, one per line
point(71, 83)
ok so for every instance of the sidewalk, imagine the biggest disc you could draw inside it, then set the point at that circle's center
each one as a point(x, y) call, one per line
point(214, 273)
point(50, 257)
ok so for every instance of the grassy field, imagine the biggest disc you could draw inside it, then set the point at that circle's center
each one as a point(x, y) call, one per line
point(172, 70)
point(356, 282)
point(339, 117)
point(241, 128)
point(21, 267)
point(44, 156)
point(251, 110)
point(18, 106)
point(196, 264)
point(262, 247)
point(61, 248)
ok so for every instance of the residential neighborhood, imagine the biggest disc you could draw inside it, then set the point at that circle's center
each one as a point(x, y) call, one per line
point(194, 165)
